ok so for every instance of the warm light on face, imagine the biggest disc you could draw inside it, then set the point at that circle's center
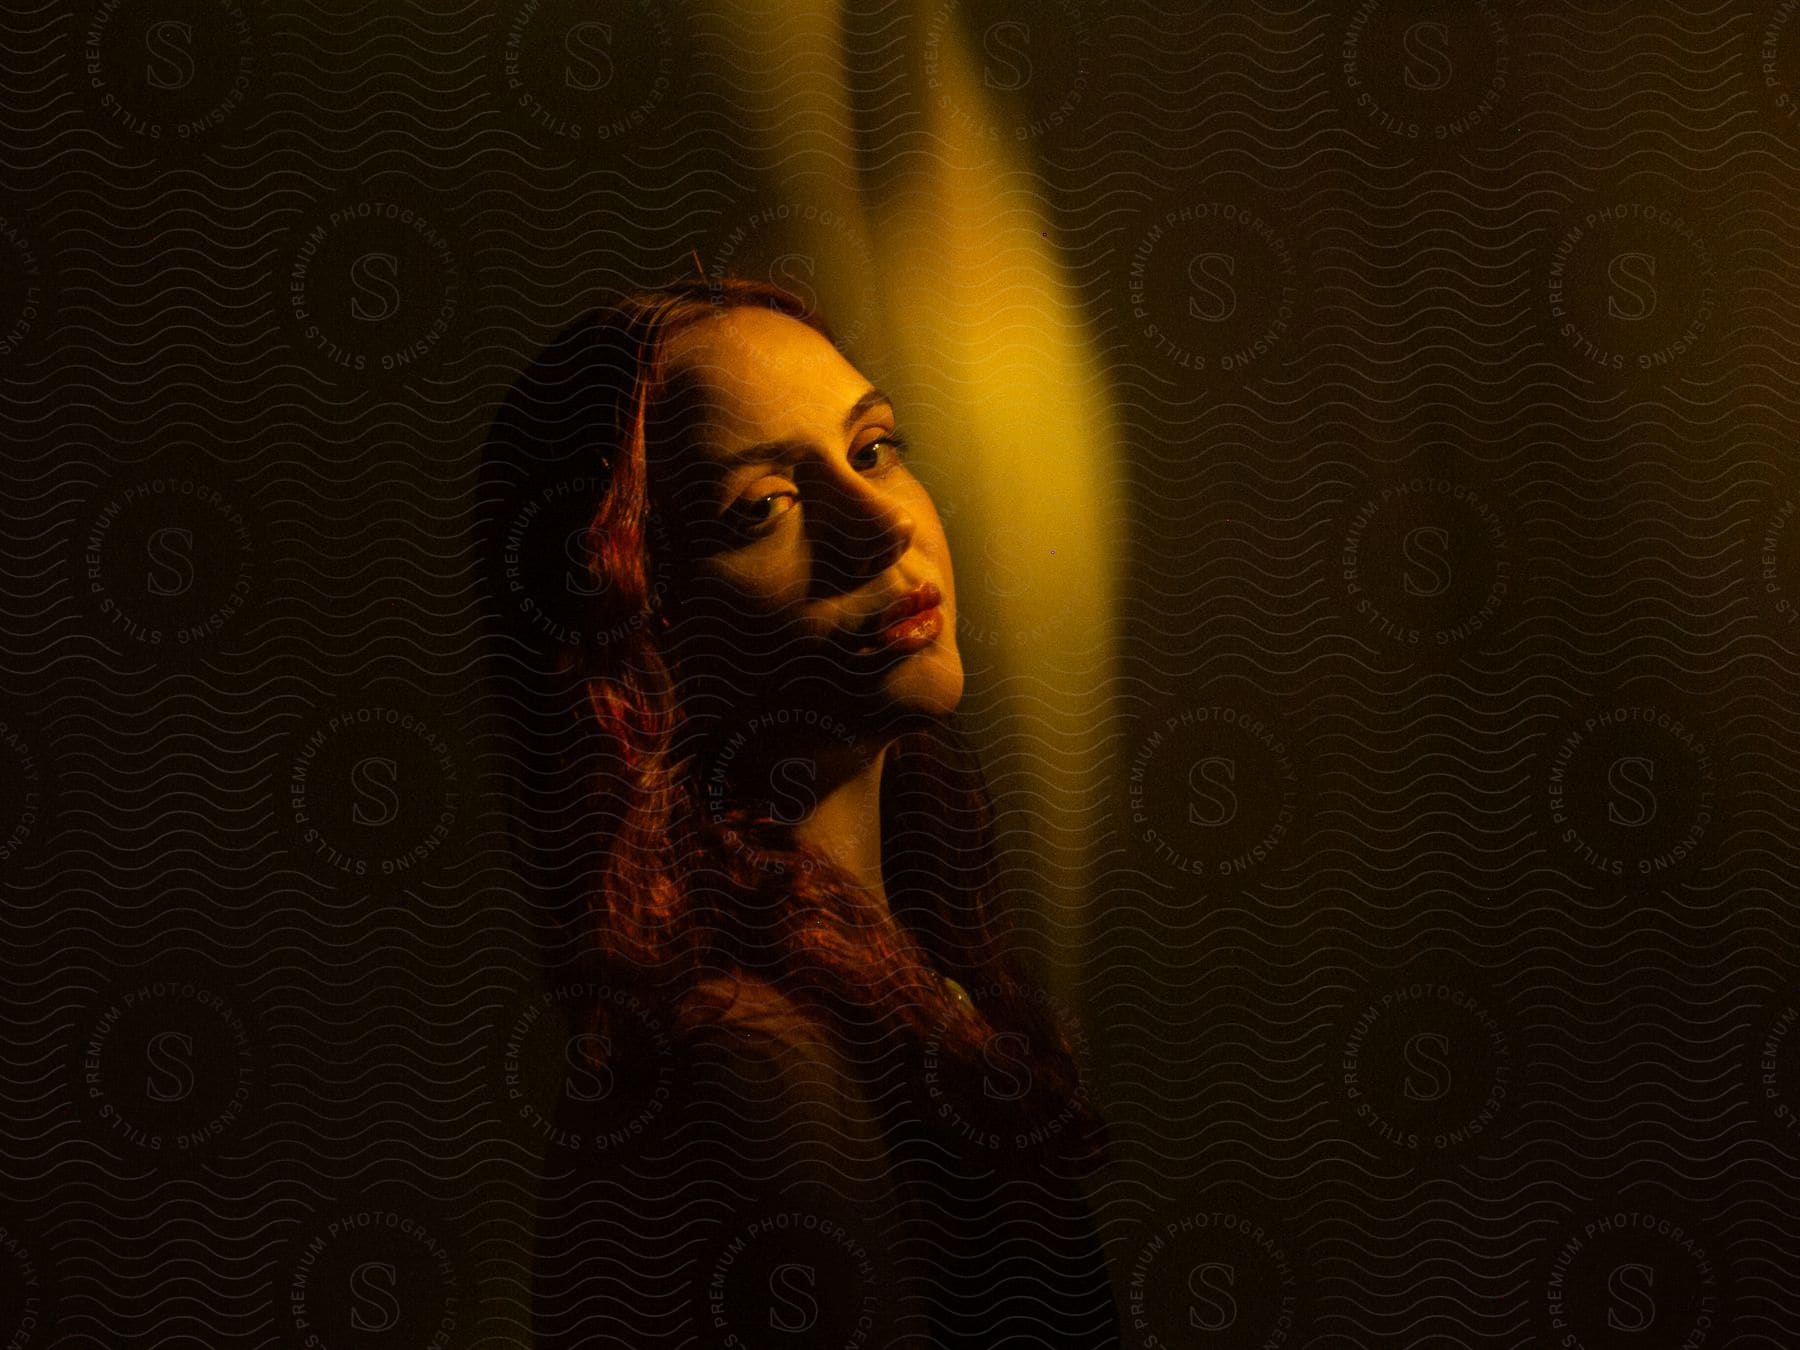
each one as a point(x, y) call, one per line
point(802, 518)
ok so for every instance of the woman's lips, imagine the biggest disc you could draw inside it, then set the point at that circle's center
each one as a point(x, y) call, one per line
point(912, 632)
point(912, 622)
point(919, 599)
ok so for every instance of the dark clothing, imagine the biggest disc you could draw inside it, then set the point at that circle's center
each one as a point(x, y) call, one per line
point(778, 1199)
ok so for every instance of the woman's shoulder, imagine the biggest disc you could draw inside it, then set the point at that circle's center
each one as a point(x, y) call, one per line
point(735, 1007)
point(763, 1190)
point(746, 1044)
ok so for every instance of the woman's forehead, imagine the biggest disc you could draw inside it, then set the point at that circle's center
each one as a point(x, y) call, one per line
point(751, 370)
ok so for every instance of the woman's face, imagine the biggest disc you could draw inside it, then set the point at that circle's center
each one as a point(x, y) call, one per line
point(798, 523)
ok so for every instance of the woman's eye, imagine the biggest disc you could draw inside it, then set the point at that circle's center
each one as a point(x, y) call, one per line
point(753, 514)
point(895, 450)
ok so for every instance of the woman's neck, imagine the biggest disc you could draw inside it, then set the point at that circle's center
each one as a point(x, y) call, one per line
point(844, 823)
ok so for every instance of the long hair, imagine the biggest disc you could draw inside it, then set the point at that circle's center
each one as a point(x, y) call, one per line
point(654, 893)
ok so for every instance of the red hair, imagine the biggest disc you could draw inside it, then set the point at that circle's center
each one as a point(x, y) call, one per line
point(662, 897)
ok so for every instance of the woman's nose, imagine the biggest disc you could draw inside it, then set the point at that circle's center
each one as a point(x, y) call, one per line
point(863, 529)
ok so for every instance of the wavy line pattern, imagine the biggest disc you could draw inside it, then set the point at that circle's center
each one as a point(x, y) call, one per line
point(1438, 975)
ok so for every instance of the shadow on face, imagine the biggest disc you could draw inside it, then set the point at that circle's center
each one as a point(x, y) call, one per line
point(796, 522)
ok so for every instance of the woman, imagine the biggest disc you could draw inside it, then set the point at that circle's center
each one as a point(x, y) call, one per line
point(820, 1102)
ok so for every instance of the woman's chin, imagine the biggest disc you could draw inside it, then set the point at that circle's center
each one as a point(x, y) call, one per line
point(865, 685)
point(928, 682)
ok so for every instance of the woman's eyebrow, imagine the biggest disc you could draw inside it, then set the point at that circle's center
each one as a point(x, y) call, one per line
point(874, 398)
point(767, 451)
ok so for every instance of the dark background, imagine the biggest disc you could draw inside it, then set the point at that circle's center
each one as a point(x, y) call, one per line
point(1436, 955)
